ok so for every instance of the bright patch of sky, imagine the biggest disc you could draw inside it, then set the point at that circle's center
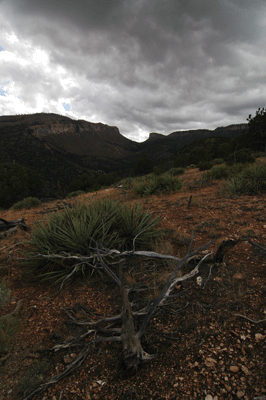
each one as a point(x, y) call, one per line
point(66, 106)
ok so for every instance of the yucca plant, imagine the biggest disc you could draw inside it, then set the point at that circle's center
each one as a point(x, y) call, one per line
point(137, 226)
point(218, 172)
point(77, 231)
point(152, 184)
point(234, 186)
point(251, 180)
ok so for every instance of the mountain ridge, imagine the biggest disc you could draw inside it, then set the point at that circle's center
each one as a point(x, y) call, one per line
point(61, 149)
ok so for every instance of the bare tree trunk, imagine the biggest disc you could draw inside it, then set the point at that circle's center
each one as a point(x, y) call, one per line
point(132, 349)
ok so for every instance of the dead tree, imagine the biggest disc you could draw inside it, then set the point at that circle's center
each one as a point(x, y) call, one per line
point(105, 328)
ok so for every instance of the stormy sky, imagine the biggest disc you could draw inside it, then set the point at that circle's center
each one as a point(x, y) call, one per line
point(141, 65)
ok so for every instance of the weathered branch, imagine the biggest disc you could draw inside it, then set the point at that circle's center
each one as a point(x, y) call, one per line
point(11, 226)
point(250, 320)
point(224, 247)
point(133, 353)
point(168, 284)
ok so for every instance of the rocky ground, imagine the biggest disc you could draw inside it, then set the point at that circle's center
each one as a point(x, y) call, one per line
point(210, 344)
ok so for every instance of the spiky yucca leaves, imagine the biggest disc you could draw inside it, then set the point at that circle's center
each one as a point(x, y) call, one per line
point(151, 184)
point(137, 226)
point(76, 231)
point(252, 180)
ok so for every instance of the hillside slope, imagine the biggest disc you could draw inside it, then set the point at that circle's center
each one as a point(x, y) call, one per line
point(210, 341)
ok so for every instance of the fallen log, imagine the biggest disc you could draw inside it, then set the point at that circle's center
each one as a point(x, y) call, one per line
point(8, 227)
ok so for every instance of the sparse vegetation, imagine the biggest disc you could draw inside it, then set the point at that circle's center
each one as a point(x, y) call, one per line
point(27, 203)
point(221, 308)
point(152, 184)
point(218, 172)
point(251, 180)
point(176, 171)
point(75, 194)
point(106, 223)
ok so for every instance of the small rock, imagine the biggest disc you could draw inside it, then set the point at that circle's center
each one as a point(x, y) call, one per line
point(208, 397)
point(259, 336)
point(234, 368)
point(245, 370)
point(67, 359)
point(210, 362)
point(238, 275)
point(240, 394)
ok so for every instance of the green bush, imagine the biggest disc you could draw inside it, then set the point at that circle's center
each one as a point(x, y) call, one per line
point(217, 161)
point(235, 169)
point(251, 180)
point(218, 172)
point(75, 194)
point(204, 165)
point(240, 156)
point(127, 183)
point(18, 182)
point(152, 184)
point(9, 324)
point(76, 231)
point(27, 204)
point(176, 171)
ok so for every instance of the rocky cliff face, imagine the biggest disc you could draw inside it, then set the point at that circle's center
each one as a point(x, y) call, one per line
point(83, 138)
point(28, 139)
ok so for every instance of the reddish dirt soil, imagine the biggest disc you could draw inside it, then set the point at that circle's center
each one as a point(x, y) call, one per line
point(204, 351)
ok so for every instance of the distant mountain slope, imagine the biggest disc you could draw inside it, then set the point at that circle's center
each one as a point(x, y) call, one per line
point(72, 136)
point(160, 147)
point(61, 148)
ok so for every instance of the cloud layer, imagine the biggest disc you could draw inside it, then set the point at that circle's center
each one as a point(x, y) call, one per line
point(143, 65)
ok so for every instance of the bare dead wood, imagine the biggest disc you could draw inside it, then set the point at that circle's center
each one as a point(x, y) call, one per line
point(133, 353)
point(9, 227)
point(250, 320)
point(189, 201)
point(165, 291)
point(224, 247)
point(132, 349)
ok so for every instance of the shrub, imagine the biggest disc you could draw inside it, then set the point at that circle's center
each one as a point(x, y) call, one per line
point(176, 171)
point(27, 203)
point(218, 172)
point(76, 231)
point(151, 184)
point(235, 169)
point(9, 324)
point(204, 165)
point(251, 180)
point(75, 194)
point(241, 156)
point(127, 183)
point(217, 161)
point(18, 182)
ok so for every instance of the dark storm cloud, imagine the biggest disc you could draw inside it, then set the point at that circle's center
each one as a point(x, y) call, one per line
point(151, 65)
